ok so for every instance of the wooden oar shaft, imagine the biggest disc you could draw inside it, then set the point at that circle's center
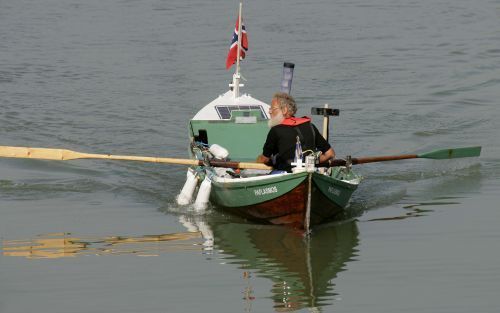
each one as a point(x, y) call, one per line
point(64, 154)
point(441, 154)
point(383, 158)
point(242, 165)
point(354, 161)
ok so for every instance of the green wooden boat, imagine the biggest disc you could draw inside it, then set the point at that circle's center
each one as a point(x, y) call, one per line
point(238, 122)
point(300, 200)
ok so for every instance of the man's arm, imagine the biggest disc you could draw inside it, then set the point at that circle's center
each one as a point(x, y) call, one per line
point(329, 154)
point(323, 145)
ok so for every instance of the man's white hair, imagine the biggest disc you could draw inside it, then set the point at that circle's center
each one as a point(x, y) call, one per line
point(285, 100)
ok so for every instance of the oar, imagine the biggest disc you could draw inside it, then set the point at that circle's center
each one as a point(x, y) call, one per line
point(64, 154)
point(436, 155)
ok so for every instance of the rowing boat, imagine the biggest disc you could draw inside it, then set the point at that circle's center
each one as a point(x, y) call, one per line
point(237, 123)
point(301, 199)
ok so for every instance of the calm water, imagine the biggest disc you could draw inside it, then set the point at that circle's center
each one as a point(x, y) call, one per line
point(124, 77)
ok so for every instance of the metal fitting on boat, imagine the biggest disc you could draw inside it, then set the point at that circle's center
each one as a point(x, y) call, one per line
point(348, 163)
point(310, 162)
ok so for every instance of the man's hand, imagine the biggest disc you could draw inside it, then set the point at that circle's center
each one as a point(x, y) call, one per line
point(262, 159)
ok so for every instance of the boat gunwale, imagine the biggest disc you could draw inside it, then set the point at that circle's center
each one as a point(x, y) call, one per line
point(352, 183)
point(265, 177)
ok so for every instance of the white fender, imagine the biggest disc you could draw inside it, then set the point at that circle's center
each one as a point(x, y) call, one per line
point(203, 194)
point(187, 191)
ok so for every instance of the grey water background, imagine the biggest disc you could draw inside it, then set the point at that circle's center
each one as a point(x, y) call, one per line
point(124, 77)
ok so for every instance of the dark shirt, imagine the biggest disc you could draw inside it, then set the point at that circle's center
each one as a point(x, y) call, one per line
point(281, 140)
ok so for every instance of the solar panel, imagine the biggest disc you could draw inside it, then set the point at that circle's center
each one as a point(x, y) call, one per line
point(224, 111)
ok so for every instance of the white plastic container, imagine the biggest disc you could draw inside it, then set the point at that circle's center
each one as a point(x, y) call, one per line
point(310, 163)
point(219, 152)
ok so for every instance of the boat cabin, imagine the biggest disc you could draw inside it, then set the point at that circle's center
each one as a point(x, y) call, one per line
point(238, 124)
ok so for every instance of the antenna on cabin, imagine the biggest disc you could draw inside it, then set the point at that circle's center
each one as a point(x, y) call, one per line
point(237, 76)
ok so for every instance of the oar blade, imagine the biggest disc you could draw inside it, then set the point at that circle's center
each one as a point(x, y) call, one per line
point(442, 154)
point(38, 153)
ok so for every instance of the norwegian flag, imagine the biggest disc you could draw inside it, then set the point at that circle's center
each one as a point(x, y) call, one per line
point(233, 50)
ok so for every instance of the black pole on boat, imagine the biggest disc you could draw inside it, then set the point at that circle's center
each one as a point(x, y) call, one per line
point(286, 81)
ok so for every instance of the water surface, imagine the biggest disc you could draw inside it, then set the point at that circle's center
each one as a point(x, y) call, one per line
point(124, 77)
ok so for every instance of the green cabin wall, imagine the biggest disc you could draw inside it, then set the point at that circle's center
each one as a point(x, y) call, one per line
point(243, 141)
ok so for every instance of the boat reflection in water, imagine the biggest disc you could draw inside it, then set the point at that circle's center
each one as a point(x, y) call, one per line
point(301, 268)
point(64, 245)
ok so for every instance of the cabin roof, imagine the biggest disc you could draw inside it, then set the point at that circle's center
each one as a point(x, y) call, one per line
point(222, 106)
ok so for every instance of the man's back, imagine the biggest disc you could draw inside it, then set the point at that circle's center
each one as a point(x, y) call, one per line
point(282, 139)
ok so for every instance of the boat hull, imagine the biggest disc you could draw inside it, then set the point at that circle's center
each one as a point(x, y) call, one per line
point(297, 200)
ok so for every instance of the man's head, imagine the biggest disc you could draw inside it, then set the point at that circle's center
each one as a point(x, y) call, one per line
point(282, 106)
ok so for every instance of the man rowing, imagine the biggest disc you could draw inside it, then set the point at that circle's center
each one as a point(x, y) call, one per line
point(279, 148)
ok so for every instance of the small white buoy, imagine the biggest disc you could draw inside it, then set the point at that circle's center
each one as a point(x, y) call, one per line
point(203, 195)
point(187, 191)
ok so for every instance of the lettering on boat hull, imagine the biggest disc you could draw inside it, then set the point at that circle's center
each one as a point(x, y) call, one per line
point(333, 190)
point(265, 191)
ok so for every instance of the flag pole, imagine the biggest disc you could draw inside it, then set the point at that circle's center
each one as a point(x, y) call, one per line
point(236, 76)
